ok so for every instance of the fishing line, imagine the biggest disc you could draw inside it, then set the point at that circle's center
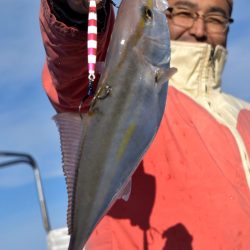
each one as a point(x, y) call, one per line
point(114, 4)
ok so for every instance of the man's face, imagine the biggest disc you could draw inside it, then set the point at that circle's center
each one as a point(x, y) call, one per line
point(199, 31)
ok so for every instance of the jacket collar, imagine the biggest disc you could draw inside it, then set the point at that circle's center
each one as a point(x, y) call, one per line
point(199, 65)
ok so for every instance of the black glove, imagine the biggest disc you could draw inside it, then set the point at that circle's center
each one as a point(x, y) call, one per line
point(65, 14)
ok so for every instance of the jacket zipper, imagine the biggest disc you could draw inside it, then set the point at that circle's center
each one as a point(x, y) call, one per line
point(212, 61)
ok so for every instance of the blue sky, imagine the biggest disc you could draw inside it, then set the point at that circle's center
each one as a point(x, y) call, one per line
point(26, 124)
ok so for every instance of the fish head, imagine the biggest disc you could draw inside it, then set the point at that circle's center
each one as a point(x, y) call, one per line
point(141, 25)
point(154, 43)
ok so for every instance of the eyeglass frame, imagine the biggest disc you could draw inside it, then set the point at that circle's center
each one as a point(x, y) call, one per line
point(196, 16)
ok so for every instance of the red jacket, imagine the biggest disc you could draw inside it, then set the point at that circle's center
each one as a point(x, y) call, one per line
point(191, 191)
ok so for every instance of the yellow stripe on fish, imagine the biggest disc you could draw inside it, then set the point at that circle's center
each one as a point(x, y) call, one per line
point(125, 140)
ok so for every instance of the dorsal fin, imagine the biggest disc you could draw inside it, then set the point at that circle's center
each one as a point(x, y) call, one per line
point(72, 129)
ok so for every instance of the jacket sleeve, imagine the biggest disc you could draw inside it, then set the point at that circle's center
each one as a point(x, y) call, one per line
point(65, 72)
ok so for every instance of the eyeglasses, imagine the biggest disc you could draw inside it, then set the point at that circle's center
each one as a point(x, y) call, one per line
point(184, 17)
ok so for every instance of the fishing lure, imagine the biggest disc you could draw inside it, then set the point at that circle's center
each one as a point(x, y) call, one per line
point(92, 48)
point(92, 44)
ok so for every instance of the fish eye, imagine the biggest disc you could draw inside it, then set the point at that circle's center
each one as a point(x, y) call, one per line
point(147, 13)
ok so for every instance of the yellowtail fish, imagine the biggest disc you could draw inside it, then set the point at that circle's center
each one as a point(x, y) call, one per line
point(102, 148)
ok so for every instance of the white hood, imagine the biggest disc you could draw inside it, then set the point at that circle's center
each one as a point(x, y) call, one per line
point(199, 67)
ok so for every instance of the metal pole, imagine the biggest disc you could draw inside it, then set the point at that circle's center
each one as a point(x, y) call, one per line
point(28, 159)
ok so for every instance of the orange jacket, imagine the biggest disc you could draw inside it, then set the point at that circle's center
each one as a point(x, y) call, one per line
point(191, 191)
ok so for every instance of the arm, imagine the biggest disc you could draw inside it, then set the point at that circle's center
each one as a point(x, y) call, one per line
point(65, 73)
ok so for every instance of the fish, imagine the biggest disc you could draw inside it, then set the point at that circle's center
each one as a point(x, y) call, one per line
point(102, 148)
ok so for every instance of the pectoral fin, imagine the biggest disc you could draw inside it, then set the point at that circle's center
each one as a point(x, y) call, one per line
point(125, 191)
point(161, 75)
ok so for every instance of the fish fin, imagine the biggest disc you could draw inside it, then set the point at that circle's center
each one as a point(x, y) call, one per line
point(71, 127)
point(161, 76)
point(125, 191)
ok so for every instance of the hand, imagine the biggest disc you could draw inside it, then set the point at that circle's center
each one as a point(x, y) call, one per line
point(81, 6)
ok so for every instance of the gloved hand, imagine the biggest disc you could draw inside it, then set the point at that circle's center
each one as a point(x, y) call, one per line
point(73, 12)
point(81, 6)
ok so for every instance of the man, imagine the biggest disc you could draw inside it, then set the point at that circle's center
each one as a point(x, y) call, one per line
point(191, 191)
